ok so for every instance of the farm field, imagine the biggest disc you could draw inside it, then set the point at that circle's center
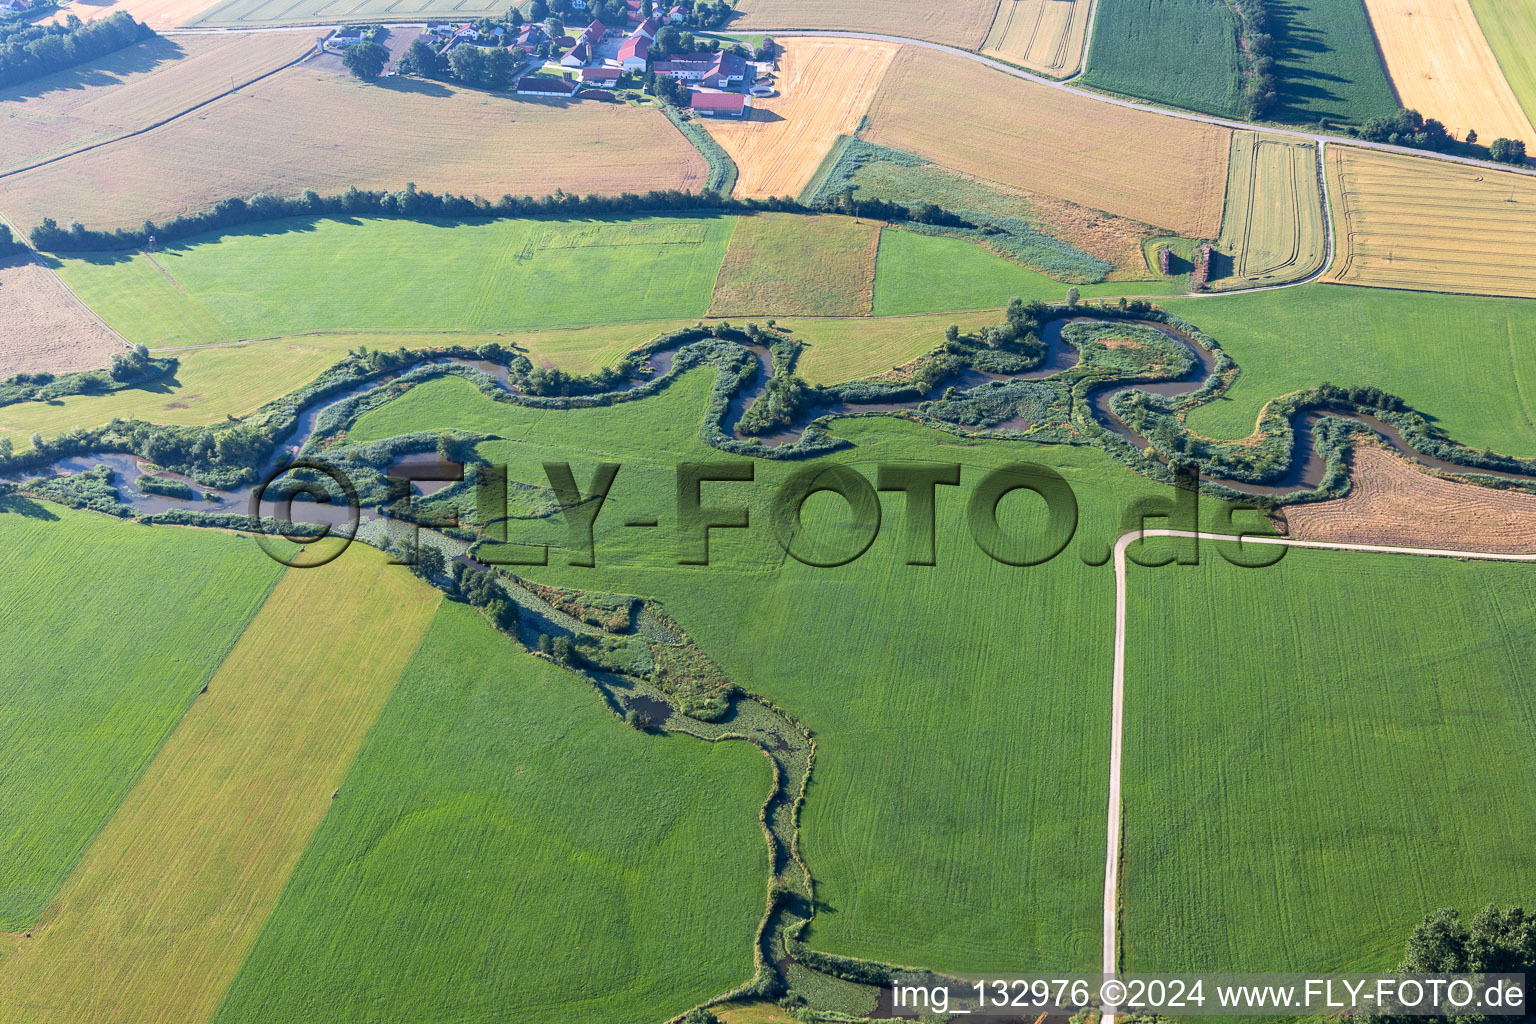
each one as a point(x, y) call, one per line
point(785, 263)
point(47, 328)
point(838, 349)
point(1179, 52)
point(239, 13)
point(825, 87)
point(1393, 502)
point(906, 826)
point(154, 13)
point(131, 89)
point(90, 693)
point(1272, 231)
point(489, 275)
point(1359, 759)
point(973, 279)
point(558, 858)
point(1481, 390)
point(1443, 67)
point(313, 129)
point(1044, 35)
point(204, 843)
point(1327, 64)
point(1405, 222)
point(963, 23)
point(1030, 136)
point(1510, 28)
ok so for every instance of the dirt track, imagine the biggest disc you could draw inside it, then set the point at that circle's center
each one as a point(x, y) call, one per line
point(45, 326)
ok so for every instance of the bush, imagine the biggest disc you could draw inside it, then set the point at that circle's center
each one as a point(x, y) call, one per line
point(165, 487)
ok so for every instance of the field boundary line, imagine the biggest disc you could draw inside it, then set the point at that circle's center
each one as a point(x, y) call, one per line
point(1117, 713)
point(37, 257)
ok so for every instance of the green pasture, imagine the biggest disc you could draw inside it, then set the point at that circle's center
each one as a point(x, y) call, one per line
point(1467, 362)
point(961, 710)
point(480, 275)
point(1319, 753)
point(1328, 65)
point(1510, 26)
point(110, 631)
point(1180, 52)
point(504, 848)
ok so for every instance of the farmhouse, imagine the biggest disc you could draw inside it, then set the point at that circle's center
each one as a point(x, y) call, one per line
point(719, 104)
point(344, 37)
point(715, 70)
point(601, 77)
point(539, 85)
point(634, 53)
point(676, 15)
point(579, 55)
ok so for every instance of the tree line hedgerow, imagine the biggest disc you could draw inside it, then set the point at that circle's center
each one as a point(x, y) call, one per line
point(30, 51)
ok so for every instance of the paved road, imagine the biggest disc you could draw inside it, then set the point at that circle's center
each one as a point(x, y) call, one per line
point(1117, 714)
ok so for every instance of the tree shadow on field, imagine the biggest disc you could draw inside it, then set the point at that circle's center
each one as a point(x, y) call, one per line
point(18, 505)
point(420, 86)
point(131, 60)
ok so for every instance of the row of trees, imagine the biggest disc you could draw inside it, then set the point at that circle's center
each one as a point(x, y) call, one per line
point(1410, 128)
point(29, 51)
point(1259, 90)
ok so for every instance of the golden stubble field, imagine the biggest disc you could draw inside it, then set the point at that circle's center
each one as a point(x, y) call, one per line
point(825, 86)
point(160, 912)
point(133, 88)
point(1442, 66)
point(1273, 226)
point(303, 128)
point(45, 328)
point(1429, 225)
point(1392, 501)
point(1158, 170)
point(1046, 35)
point(962, 23)
point(154, 13)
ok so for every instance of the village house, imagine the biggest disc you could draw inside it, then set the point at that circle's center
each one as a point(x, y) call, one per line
point(602, 78)
point(714, 70)
point(719, 104)
point(540, 85)
point(15, 6)
point(344, 37)
point(676, 15)
point(634, 53)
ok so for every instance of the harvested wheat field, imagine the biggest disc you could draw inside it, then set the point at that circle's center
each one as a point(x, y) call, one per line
point(1392, 501)
point(1046, 35)
point(825, 86)
point(960, 23)
point(45, 327)
point(303, 129)
point(1428, 225)
point(781, 263)
point(1272, 231)
point(133, 88)
point(154, 13)
point(1159, 170)
point(1442, 66)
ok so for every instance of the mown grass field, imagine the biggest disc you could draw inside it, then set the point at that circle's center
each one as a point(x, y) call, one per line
point(786, 263)
point(1470, 363)
point(309, 128)
point(504, 848)
point(296, 276)
point(973, 278)
point(164, 905)
point(1510, 27)
point(955, 684)
point(1319, 753)
point(839, 349)
point(1272, 231)
point(1180, 52)
point(1033, 137)
point(1408, 222)
point(1328, 65)
point(101, 661)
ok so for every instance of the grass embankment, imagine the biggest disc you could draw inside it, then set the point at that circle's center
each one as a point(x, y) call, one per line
point(1465, 361)
point(102, 658)
point(790, 264)
point(505, 848)
point(939, 732)
point(1319, 753)
point(164, 905)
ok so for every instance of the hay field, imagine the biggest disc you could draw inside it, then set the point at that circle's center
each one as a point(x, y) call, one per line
point(839, 349)
point(45, 327)
point(1510, 28)
point(154, 13)
point(160, 912)
point(961, 23)
point(1046, 35)
point(132, 89)
point(1036, 138)
point(1443, 67)
point(304, 128)
point(1272, 230)
point(1393, 501)
point(1405, 222)
point(785, 263)
point(825, 86)
point(252, 13)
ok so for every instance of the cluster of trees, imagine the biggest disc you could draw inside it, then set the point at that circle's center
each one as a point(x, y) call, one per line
point(784, 397)
point(1405, 128)
point(1509, 151)
point(29, 51)
point(1259, 90)
point(1499, 941)
point(9, 246)
point(478, 66)
point(127, 368)
point(366, 60)
point(131, 364)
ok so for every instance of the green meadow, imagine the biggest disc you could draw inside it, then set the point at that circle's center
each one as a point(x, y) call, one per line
point(1510, 26)
point(505, 848)
point(111, 630)
point(1319, 753)
point(1469, 363)
point(1327, 63)
point(1181, 52)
